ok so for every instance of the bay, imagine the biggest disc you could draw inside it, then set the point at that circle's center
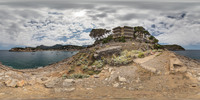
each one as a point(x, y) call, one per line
point(27, 60)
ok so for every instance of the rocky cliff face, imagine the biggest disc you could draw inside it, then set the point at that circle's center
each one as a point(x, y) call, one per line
point(174, 47)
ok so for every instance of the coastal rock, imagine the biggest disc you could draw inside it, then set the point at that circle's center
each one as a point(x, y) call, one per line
point(21, 83)
point(57, 90)
point(68, 82)
point(11, 83)
point(121, 79)
point(198, 79)
point(52, 83)
point(31, 80)
point(96, 76)
point(1, 84)
point(107, 51)
point(42, 80)
point(177, 66)
point(1, 73)
point(116, 85)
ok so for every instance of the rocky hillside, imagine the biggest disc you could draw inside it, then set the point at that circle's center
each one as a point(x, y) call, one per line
point(173, 47)
point(42, 48)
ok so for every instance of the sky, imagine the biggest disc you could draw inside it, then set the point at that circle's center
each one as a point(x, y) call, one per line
point(49, 22)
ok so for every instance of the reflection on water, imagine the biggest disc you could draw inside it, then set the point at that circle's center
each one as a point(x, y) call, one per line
point(24, 60)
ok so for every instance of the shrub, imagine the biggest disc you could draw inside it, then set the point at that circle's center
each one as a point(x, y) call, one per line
point(64, 76)
point(123, 59)
point(141, 55)
point(147, 32)
point(158, 46)
point(85, 68)
point(151, 37)
point(90, 72)
point(155, 40)
point(122, 39)
point(98, 63)
point(108, 39)
point(78, 76)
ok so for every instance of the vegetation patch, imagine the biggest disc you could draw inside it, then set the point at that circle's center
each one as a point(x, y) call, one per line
point(78, 76)
point(141, 55)
point(98, 64)
point(124, 59)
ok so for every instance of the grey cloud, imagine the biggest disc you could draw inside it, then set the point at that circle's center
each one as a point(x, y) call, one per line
point(132, 16)
point(97, 16)
point(177, 16)
point(55, 4)
point(46, 21)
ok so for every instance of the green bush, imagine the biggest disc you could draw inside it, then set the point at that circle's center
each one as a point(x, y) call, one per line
point(123, 59)
point(108, 39)
point(90, 72)
point(155, 40)
point(64, 76)
point(147, 32)
point(122, 39)
point(98, 63)
point(151, 37)
point(78, 76)
point(158, 46)
point(141, 55)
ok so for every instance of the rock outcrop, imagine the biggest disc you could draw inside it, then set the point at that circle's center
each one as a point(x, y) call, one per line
point(107, 51)
point(173, 47)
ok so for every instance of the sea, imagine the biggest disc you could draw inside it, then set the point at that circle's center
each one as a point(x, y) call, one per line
point(194, 54)
point(27, 60)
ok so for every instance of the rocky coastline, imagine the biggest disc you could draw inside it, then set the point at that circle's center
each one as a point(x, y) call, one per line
point(48, 48)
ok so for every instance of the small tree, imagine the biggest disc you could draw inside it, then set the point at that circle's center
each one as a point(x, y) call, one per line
point(98, 33)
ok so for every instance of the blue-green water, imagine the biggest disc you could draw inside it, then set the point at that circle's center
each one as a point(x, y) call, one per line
point(194, 54)
point(25, 60)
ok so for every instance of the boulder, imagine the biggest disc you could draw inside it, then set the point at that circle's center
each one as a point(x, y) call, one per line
point(116, 85)
point(1, 73)
point(68, 82)
point(52, 83)
point(1, 84)
point(96, 76)
point(42, 80)
point(21, 83)
point(177, 66)
point(107, 51)
point(11, 82)
point(121, 79)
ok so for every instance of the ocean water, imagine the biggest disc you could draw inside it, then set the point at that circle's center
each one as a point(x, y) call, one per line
point(194, 54)
point(26, 60)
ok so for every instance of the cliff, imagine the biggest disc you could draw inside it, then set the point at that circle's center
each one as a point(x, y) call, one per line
point(43, 48)
point(174, 47)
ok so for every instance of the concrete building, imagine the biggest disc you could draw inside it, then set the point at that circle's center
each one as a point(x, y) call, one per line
point(125, 31)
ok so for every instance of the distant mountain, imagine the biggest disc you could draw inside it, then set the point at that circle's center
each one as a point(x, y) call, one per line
point(174, 47)
point(43, 47)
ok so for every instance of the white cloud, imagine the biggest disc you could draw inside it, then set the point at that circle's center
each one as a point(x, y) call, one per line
point(50, 23)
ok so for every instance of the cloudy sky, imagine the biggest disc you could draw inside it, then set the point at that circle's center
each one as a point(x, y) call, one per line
point(49, 22)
